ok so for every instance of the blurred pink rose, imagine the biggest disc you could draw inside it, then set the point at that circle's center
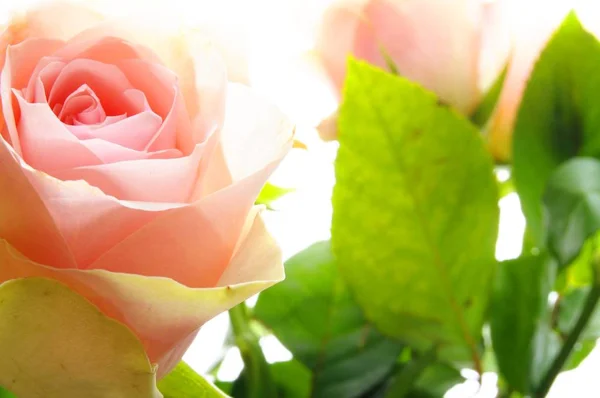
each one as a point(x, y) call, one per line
point(437, 43)
point(530, 31)
point(129, 168)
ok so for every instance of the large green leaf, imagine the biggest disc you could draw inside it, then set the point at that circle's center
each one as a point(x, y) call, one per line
point(56, 344)
point(313, 315)
point(558, 116)
point(523, 341)
point(184, 382)
point(415, 213)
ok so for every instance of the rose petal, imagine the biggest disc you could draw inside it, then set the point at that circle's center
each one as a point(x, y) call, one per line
point(160, 87)
point(84, 106)
point(211, 84)
point(170, 47)
point(151, 180)
point(21, 60)
point(42, 79)
point(197, 241)
point(161, 312)
point(46, 142)
point(255, 131)
point(107, 81)
point(108, 152)
point(90, 221)
point(134, 132)
point(105, 49)
point(335, 39)
point(419, 36)
point(24, 219)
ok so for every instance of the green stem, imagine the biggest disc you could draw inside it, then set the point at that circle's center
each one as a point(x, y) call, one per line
point(258, 381)
point(572, 338)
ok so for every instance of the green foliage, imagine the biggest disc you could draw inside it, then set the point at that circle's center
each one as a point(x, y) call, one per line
point(415, 214)
point(257, 378)
point(486, 108)
point(558, 116)
point(271, 193)
point(313, 315)
point(184, 382)
point(5, 393)
point(572, 204)
point(523, 341)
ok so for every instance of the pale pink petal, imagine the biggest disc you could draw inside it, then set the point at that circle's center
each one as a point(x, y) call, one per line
point(107, 81)
point(83, 106)
point(21, 60)
point(134, 132)
point(160, 86)
point(336, 36)
point(172, 48)
point(90, 221)
point(105, 49)
point(43, 79)
point(46, 142)
point(421, 35)
point(196, 240)
point(211, 84)
point(254, 133)
point(109, 152)
point(161, 312)
point(151, 180)
point(25, 221)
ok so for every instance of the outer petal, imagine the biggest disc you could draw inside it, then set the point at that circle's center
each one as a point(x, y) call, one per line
point(421, 35)
point(24, 219)
point(197, 241)
point(47, 21)
point(90, 221)
point(21, 62)
point(255, 132)
point(335, 40)
point(161, 312)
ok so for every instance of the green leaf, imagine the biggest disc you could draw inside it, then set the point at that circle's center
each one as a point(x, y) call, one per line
point(581, 350)
point(184, 382)
point(5, 393)
point(572, 203)
point(486, 108)
point(56, 344)
point(558, 116)
point(523, 341)
point(436, 380)
point(570, 309)
point(415, 213)
point(292, 378)
point(314, 316)
point(271, 193)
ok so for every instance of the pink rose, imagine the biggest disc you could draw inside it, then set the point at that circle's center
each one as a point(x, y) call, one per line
point(530, 31)
point(441, 44)
point(129, 168)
